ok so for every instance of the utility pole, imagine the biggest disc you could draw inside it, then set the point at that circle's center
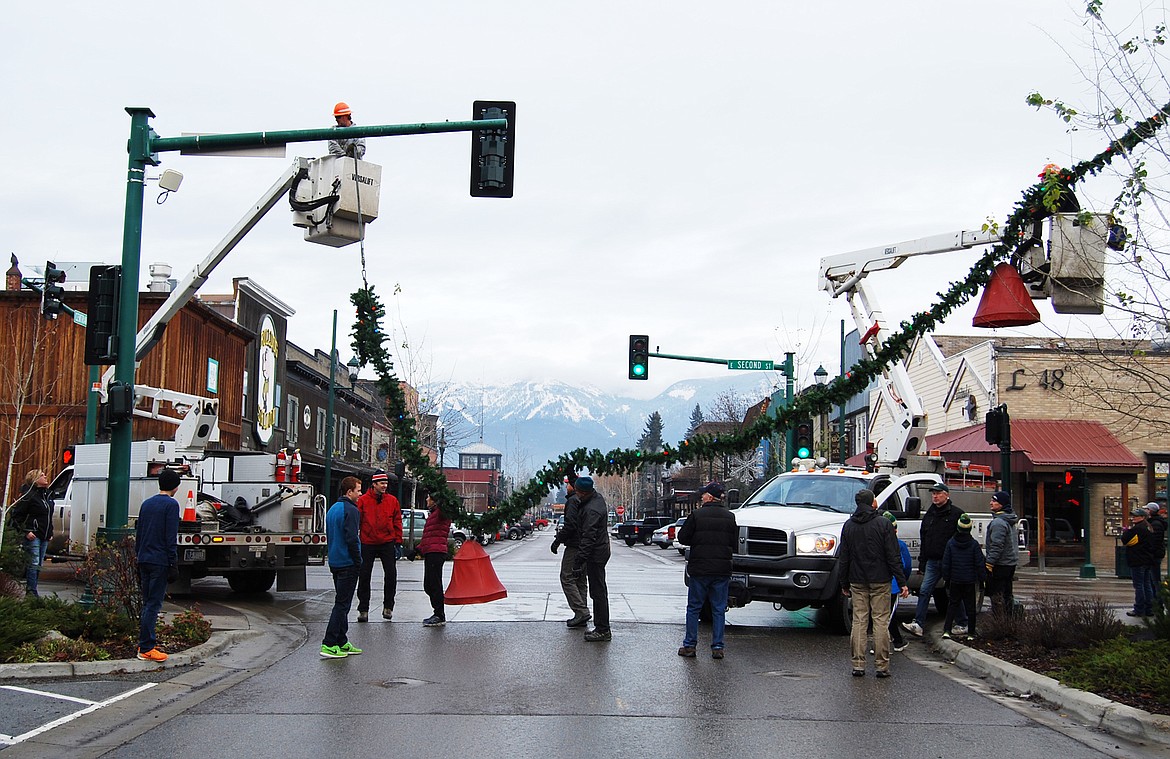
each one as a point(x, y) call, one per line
point(143, 147)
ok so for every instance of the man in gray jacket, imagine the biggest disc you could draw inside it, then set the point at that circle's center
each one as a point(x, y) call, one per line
point(593, 554)
point(1002, 552)
point(575, 586)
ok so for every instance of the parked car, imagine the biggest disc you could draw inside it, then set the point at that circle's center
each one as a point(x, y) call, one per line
point(682, 549)
point(540, 523)
point(664, 536)
point(415, 531)
point(560, 526)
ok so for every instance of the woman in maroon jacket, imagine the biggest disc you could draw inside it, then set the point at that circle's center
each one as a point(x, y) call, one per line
point(433, 547)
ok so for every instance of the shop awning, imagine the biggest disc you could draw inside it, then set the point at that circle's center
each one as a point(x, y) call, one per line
point(1042, 445)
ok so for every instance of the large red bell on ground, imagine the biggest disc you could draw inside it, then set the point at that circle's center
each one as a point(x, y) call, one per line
point(473, 581)
point(1005, 301)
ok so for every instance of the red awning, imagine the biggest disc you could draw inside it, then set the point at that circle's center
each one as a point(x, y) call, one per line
point(1041, 444)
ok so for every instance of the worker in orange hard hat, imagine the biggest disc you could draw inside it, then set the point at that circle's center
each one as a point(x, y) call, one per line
point(354, 147)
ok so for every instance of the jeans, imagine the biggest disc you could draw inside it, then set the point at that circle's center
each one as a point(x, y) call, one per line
point(871, 605)
point(153, 578)
point(932, 573)
point(1144, 590)
point(433, 581)
point(999, 588)
point(345, 580)
point(713, 589)
point(35, 549)
point(385, 552)
point(963, 597)
point(599, 592)
point(576, 588)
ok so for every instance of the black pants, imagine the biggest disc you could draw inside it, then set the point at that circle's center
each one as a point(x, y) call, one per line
point(370, 553)
point(962, 597)
point(895, 628)
point(433, 581)
point(999, 588)
point(599, 592)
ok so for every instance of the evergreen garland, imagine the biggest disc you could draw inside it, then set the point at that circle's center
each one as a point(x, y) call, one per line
point(369, 345)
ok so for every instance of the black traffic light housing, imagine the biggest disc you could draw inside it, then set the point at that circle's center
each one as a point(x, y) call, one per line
point(101, 327)
point(1074, 478)
point(803, 439)
point(493, 150)
point(53, 292)
point(639, 357)
point(998, 426)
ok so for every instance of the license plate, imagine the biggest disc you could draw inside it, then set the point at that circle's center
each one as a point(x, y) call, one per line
point(739, 579)
point(194, 554)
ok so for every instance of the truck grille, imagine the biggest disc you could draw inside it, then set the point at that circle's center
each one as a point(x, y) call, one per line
point(765, 541)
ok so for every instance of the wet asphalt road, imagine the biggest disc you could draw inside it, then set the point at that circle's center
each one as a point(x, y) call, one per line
point(508, 679)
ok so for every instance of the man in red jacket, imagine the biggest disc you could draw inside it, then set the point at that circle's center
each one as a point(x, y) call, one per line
point(381, 534)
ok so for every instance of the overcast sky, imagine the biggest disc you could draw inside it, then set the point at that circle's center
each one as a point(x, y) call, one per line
point(681, 166)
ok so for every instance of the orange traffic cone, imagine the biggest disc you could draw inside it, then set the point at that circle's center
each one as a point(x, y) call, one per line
point(473, 581)
point(1005, 301)
point(189, 510)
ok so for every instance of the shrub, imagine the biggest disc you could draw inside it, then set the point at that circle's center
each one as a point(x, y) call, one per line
point(1159, 624)
point(1053, 622)
point(58, 650)
point(13, 559)
point(188, 627)
point(1121, 667)
point(110, 571)
point(19, 624)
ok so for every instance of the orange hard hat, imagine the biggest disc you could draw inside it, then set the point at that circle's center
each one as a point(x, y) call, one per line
point(341, 109)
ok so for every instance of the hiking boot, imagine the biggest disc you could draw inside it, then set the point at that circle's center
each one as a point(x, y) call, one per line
point(947, 635)
point(152, 655)
point(349, 649)
point(687, 651)
point(959, 630)
point(578, 620)
point(387, 614)
point(332, 652)
point(859, 673)
point(363, 616)
point(597, 636)
point(913, 628)
point(434, 621)
point(716, 653)
point(883, 673)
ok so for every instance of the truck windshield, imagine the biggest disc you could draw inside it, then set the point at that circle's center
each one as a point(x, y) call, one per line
point(809, 491)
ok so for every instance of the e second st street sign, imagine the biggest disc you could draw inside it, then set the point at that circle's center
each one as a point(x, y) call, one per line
point(747, 364)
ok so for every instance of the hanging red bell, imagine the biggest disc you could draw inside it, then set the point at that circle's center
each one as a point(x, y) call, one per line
point(473, 581)
point(1005, 301)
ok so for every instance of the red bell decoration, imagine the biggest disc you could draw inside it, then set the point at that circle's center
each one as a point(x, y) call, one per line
point(473, 581)
point(1005, 301)
point(281, 465)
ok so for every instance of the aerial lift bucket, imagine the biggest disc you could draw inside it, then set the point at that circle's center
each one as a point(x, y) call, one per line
point(1005, 301)
point(473, 581)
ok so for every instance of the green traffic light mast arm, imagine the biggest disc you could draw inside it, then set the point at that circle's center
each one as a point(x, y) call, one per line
point(700, 359)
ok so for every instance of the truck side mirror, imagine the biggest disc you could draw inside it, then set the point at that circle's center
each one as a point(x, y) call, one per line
point(913, 507)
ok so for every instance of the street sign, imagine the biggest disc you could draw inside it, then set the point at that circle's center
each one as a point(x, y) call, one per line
point(620, 510)
point(79, 318)
point(747, 364)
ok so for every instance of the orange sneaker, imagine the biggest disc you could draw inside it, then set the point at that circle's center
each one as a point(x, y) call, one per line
point(152, 655)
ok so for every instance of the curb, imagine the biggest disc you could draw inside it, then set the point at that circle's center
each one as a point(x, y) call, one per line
point(1099, 712)
point(194, 655)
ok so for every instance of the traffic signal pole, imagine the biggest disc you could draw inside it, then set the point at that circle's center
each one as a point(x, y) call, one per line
point(143, 148)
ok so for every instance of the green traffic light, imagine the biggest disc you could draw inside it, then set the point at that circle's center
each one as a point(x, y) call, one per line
point(639, 369)
point(803, 453)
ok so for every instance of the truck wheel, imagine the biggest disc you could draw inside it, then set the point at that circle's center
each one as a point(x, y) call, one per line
point(457, 542)
point(647, 540)
point(251, 582)
point(837, 615)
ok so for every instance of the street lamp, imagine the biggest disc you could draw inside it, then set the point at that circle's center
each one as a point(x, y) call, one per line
point(820, 375)
point(353, 370)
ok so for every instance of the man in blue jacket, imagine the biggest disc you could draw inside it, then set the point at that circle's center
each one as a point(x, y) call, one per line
point(342, 523)
point(156, 539)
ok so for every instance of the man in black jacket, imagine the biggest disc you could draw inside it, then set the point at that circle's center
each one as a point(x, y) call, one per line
point(868, 559)
point(939, 524)
point(1139, 541)
point(1157, 524)
point(712, 534)
point(593, 554)
point(575, 586)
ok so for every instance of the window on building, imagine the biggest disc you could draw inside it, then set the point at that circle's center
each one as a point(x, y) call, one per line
point(320, 430)
point(341, 437)
point(365, 452)
point(292, 420)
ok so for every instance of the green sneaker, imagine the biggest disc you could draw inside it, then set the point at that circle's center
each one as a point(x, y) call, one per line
point(333, 652)
point(349, 649)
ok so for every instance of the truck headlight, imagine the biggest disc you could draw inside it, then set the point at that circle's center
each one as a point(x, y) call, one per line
point(816, 543)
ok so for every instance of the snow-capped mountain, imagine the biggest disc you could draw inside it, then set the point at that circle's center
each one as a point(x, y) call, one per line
point(533, 422)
